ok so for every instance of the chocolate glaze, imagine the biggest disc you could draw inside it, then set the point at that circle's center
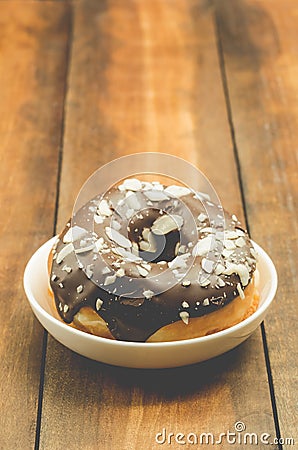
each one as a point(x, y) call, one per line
point(139, 297)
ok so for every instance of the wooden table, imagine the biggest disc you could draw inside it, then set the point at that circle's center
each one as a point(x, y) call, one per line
point(85, 82)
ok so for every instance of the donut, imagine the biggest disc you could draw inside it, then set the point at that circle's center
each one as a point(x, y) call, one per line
point(150, 262)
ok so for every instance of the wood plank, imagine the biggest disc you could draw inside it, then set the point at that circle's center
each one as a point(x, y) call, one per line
point(260, 43)
point(128, 61)
point(32, 74)
point(145, 87)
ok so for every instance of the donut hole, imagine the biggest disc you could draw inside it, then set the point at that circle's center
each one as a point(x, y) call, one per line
point(156, 235)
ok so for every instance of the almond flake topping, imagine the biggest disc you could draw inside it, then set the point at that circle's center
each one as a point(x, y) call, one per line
point(177, 191)
point(221, 282)
point(85, 249)
point(80, 289)
point(240, 242)
point(239, 269)
point(155, 196)
point(148, 293)
point(207, 265)
point(185, 304)
point(110, 279)
point(89, 270)
point(203, 281)
point(65, 251)
point(129, 213)
point(164, 225)
point(184, 315)
point(219, 269)
point(207, 230)
point(231, 234)
point(116, 225)
point(98, 219)
point(143, 272)
point(120, 273)
point(66, 268)
point(73, 234)
point(203, 246)
point(179, 262)
point(227, 253)
point(132, 201)
point(202, 217)
point(117, 237)
point(98, 304)
point(240, 291)
point(104, 209)
point(146, 186)
point(240, 232)
point(202, 196)
point(229, 244)
point(132, 184)
point(126, 254)
point(99, 244)
point(178, 219)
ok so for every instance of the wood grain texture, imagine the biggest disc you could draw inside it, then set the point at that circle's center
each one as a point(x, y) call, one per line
point(135, 86)
point(260, 43)
point(32, 68)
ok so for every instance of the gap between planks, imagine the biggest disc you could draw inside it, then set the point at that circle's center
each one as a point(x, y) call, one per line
point(238, 166)
point(60, 159)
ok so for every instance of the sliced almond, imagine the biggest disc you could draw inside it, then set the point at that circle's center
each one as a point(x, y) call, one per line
point(74, 234)
point(64, 252)
point(98, 304)
point(239, 269)
point(240, 242)
point(143, 272)
point(184, 315)
point(98, 219)
point(132, 201)
point(148, 293)
point(104, 209)
point(177, 263)
point(132, 184)
point(145, 233)
point(155, 196)
point(144, 245)
point(164, 225)
point(177, 191)
point(149, 245)
point(110, 279)
point(117, 237)
point(203, 246)
point(229, 244)
point(202, 217)
point(240, 291)
point(208, 265)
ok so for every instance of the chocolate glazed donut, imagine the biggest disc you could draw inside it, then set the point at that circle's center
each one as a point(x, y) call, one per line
point(153, 266)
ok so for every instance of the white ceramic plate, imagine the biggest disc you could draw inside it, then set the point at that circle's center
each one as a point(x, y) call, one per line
point(136, 354)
